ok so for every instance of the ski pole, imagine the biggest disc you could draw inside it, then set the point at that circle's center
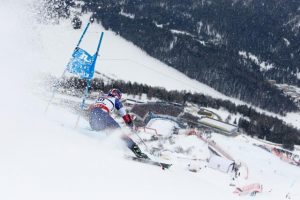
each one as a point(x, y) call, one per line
point(147, 148)
point(142, 141)
point(86, 93)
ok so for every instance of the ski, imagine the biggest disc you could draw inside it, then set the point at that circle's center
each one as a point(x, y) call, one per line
point(148, 161)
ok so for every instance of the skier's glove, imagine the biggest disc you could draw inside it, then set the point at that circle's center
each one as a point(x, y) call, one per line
point(128, 121)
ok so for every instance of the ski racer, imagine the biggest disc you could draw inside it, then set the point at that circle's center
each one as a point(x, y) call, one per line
point(100, 118)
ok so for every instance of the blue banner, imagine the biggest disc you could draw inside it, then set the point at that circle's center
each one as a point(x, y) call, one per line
point(82, 64)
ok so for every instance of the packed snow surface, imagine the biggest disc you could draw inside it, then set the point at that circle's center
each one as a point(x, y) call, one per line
point(44, 157)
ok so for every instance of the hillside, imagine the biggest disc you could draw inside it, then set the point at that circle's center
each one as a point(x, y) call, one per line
point(232, 46)
point(44, 157)
point(120, 60)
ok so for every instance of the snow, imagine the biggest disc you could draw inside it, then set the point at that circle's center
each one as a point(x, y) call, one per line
point(268, 170)
point(44, 157)
point(293, 119)
point(202, 42)
point(158, 25)
point(264, 66)
point(243, 54)
point(181, 32)
point(295, 23)
point(224, 114)
point(165, 126)
point(118, 60)
point(128, 15)
point(287, 42)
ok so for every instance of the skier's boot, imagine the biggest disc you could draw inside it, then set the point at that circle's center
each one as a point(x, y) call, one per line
point(134, 147)
point(138, 153)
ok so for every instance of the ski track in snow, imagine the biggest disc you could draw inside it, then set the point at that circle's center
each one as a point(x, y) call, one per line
point(42, 155)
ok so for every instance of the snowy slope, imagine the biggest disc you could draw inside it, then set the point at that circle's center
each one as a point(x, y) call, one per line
point(45, 157)
point(276, 176)
point(120, 59)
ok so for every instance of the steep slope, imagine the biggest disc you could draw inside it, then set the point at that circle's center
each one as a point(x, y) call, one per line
point(231, 46)
point(44, 157)
point(120, 59)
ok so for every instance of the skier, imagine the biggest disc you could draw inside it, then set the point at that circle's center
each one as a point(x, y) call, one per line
point(100, 118)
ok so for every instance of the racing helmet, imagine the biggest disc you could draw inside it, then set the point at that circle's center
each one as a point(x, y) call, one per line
point(115, 93)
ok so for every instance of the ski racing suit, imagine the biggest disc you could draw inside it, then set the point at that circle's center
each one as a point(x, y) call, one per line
point(100, 119)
